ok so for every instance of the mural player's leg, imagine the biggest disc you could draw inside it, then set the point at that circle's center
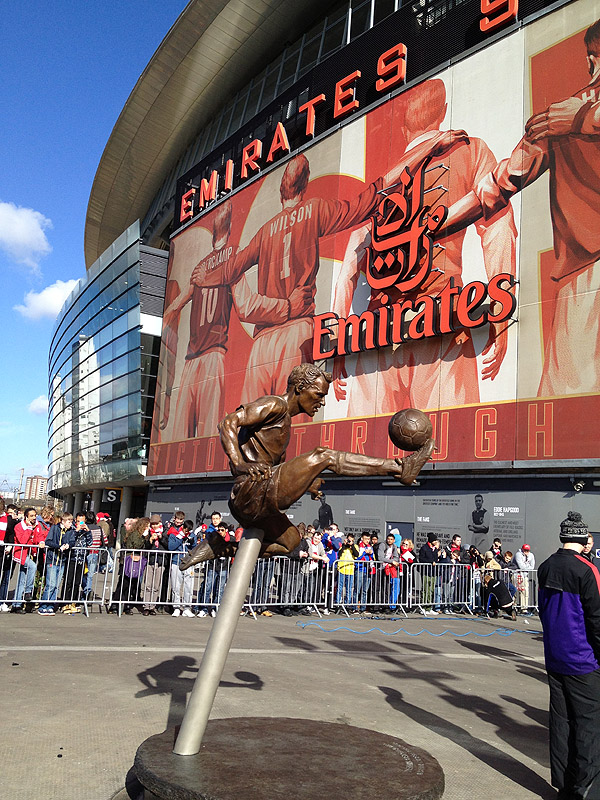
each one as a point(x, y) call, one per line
point(185, 408)
point(212, 385)
point(572, 352)
point(274, 353)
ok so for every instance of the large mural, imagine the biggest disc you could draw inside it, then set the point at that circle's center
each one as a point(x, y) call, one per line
point(438, 251)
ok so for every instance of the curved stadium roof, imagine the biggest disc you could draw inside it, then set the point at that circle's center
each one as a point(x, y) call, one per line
point(211, 50)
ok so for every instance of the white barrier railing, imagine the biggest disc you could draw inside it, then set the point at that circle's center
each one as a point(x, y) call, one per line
point(34, 577)
point(443, 588)
point(38, 577)
point(359, 585)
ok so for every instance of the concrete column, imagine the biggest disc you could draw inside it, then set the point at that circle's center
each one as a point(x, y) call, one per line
point(69, 502)
point(78, 504)
point(125, 510)
point(96, 500)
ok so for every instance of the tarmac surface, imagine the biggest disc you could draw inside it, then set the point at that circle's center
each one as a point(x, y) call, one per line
point(78, 696)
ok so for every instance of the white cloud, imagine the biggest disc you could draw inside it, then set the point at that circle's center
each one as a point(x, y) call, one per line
point(22, 235)
point(46, 303)
point(39, 405)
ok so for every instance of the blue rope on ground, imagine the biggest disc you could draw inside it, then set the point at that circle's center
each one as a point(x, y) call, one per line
point(497, 631)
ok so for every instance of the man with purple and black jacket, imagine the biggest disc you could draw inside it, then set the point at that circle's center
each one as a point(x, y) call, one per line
point(569, 604)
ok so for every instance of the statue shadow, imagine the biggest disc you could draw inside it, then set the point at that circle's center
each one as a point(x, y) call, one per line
point(507, 722)
point(296, 644)
point(530, 669)
point(175, 678)
point(491, 756)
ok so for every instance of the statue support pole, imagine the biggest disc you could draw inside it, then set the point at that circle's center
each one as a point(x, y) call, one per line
point(219, 642)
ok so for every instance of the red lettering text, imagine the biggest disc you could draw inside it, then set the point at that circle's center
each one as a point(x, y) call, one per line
point(344, 100)
point(391, 66)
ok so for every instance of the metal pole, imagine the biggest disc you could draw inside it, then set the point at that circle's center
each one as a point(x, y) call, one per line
point(219, 642)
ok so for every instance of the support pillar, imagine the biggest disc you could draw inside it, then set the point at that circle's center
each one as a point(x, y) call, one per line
point(78, 504)
point(125, 510)
point(96, 500)
point(69, 502)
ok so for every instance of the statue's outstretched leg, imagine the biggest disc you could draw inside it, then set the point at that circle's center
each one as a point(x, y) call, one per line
point(214, 546)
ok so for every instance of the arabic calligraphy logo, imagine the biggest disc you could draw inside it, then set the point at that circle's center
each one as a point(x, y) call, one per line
point(401, 252)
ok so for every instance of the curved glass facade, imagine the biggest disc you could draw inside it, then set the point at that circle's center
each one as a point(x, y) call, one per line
point(100, 362)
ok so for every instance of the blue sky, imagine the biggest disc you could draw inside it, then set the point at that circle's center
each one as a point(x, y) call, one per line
point(67, 69)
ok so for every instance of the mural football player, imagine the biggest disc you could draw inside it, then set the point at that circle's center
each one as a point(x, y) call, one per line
point(286, 250)
point(255, 438)
point(565, 141)
point(204, 373)
point(442, 370)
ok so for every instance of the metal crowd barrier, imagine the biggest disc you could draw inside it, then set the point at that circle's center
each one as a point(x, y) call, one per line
point(150, 580)
point(522, 584)
point(361, 585)
point(289, 583)
point(442, 588)
point(36, 578)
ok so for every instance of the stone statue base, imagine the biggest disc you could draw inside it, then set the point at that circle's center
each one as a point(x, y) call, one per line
point(259, 758)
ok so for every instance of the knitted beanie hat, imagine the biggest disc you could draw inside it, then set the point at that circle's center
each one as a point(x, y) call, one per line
point(573, 529)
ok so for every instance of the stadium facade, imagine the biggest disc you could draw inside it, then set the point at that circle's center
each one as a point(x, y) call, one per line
point(388, 189)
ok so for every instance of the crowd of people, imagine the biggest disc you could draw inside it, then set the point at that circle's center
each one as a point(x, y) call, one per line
point(51, 562)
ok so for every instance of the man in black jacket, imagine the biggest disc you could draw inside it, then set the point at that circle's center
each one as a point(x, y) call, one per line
point(569, 604)
point(429, 554)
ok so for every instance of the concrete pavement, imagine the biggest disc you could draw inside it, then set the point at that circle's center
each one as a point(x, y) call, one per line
point(79, 695)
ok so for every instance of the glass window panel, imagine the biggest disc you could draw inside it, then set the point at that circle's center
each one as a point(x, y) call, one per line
point(133, 361)
point(134, 382)
point(120, 366)
point(133, 317)
point(334, 38)
point(134, 403)
point(120, 407)
point(106, 392)
point(119, 346)
point(105, 335)
point(106, 432)
point(120, 386)
point(133, 340)
point(119, 326)
point(106, 372)
point(360, 19)
point(253, 98)
point(120, 428)
point(310, 54)
point(383, 9)
point(106, 412)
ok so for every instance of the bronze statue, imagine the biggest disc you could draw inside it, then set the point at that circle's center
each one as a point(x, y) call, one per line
point(255, 438)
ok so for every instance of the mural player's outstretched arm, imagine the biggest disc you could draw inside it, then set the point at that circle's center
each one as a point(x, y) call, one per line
point(571, 116)
point(527, 162)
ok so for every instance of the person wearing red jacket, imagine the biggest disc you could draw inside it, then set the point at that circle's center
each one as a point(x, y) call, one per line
point(27, 532)
point(7, 525)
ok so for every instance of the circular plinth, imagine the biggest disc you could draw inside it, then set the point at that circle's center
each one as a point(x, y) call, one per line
point(260, 758)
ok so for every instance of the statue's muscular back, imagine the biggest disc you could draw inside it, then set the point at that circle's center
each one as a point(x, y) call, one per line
point(266, 442)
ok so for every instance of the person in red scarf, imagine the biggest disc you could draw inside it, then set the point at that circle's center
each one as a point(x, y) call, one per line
point(155, 541)
point(407, 557)
point(27, 532)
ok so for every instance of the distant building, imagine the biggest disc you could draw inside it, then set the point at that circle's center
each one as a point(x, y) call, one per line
point(36, 487)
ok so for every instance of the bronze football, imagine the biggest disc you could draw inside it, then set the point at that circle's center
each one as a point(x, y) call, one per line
point(410, 428)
